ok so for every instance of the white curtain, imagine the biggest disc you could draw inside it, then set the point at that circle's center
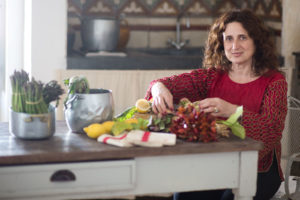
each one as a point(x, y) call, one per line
point(12, 37)
point(2, 60)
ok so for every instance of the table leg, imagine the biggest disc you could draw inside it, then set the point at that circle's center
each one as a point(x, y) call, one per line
point(247, 176)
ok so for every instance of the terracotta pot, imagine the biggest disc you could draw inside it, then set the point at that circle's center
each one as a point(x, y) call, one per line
point(124, 35)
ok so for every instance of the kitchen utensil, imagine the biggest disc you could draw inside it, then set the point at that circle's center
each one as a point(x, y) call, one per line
point(32, 126)
point(100, 34)
point(84, 109)
point(124, 34)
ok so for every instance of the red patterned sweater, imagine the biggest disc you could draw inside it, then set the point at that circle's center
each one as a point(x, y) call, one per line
point(264, 101)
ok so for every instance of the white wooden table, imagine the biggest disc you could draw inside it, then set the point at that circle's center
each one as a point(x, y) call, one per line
point(72, 166)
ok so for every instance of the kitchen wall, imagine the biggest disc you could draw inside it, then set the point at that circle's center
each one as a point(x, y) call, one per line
point(48, 38)
point(291, 31)
point(152, 22)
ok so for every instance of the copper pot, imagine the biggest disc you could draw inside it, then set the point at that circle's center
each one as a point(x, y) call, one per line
point(124, 34)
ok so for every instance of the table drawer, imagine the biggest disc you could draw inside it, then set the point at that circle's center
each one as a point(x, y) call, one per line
point(32, 180)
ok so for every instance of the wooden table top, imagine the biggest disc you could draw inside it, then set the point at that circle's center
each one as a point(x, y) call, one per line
point(66, 146)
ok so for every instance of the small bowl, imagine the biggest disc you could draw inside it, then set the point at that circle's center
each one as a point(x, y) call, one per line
point(32, 126)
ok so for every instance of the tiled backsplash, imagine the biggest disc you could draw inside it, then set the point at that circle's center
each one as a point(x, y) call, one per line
point(152, 22)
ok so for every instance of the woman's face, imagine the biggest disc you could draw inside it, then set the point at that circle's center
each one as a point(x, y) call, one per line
point(239, 47)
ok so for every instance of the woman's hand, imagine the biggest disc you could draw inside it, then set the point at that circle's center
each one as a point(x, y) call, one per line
point(162, 98)
point(217, 107)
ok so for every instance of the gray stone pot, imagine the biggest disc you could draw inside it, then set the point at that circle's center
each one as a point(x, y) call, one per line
point(82, 110)
point(32, 126)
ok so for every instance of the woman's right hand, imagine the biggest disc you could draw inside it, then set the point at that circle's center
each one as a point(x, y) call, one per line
point(162, 98)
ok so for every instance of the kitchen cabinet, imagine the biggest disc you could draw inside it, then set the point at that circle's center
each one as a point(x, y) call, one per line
point(127, 85)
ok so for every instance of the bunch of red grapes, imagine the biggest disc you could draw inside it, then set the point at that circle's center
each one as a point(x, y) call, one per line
point(191, 124)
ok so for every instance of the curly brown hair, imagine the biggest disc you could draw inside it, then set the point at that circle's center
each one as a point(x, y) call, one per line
point(265, 54)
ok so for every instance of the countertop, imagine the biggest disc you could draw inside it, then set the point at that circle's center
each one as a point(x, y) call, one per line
point(141, 59)
point(156, 58)
point(66, 146)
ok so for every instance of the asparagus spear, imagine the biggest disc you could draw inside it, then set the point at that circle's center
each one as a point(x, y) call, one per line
point(32, 96)
point(18, 80)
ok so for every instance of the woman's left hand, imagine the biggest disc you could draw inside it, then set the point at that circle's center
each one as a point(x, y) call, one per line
point(217, 107)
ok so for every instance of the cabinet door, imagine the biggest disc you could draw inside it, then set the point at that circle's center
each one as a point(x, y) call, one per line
point(71, 178)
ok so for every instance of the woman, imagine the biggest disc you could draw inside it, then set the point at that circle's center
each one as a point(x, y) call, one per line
point(240, 68)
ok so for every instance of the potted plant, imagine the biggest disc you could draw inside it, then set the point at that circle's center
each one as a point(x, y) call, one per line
point(31, 115)
point(84, 106)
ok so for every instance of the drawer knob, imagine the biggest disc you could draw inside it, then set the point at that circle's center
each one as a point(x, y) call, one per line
point(63, 176)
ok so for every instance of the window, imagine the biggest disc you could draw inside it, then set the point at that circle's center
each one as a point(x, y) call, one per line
point(2, 60)
point(2, 46)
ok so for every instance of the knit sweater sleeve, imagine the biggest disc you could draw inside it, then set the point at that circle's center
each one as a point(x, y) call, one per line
point(268, 124)
point(193, 85)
